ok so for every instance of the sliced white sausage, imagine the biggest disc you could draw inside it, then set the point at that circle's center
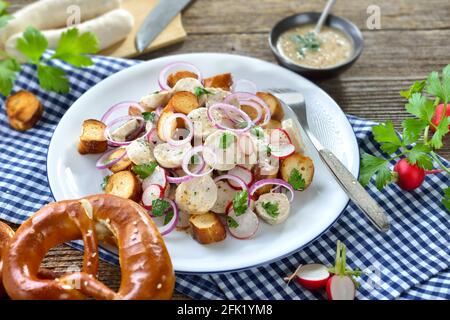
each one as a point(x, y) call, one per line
point(121, 133)
point(51, 14)
point(293, 130)
point(273, 208)
point(214, 95)
point(109, 28)
point(225, 195)
point(219, 156)
point(197, 195)
point(155, 100)
point(187, 84)
point(202, 126)
point(140, 151)
point(169, 156)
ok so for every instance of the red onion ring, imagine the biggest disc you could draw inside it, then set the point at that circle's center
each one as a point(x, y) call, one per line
point(118, 106)
point(238, 181)
point(227, 108)
point(189, 124)
point(101, 164)
point(245, 82)
point(162, 80)
point(168, 228)
point(264, 182)
point(187, 159)
point(187, 177)
point(245, 97)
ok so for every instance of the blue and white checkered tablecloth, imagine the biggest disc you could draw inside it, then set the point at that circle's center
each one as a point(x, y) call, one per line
point(412, 261)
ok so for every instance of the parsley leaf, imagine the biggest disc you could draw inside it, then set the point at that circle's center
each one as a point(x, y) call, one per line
point(441, 131)
point(145, 170)
point(232, 223)
point(199, 91)
point(226, 139)
point(296, 180)
point(385, 134)
point(371, 165)
point(419, 155)
point(159, 206)
point(257, 132)
point(240, 202)
point(421, 107)
point(168, 217)
point(4, 16)
point(149, 116)
point(417, 87)
point(438, 88)
point(8, 73)
point(446, 199)
point(53, 78)
point(33, 44)
point(412, 130)
point(271, 208)
point(72, 48)
point(104, 182)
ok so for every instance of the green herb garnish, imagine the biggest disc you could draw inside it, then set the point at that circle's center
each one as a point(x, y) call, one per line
point(199, 91)
point(159, 206)
point(296, 180)
point(308, 42)
point(226, 139)
point(257, 132)
point(240, 202)
point(145, 170)
point(232, 223)
point(104, 182)
point(271, 208)
point(168, 217)
point(149, 116)
point(4, 15)
point(242, 125)
point(446, 199)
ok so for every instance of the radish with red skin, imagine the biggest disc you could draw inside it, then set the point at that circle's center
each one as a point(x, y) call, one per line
point(313, 276)
point(152, 192)
point(341, 288)
point(409, 176)
point(243, 173)
point(438, 115)
point(280, 144)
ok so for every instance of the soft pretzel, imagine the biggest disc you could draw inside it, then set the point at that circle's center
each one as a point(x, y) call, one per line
point(6, 234)
point(146, 267)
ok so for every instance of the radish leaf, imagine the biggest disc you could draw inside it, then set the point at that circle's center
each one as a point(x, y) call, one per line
point(438, 88)
point(416, 87)
point(412, 130)
point(370, 166)
point(421, 107)
point(385, 134)
point(446, 199)
point(419, 155)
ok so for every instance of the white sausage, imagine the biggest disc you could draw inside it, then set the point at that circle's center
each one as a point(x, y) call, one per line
point(109, 28)
point(51, 14)
point(225, 195)
point(278, 199)
point(169, 156)
point(197, 195)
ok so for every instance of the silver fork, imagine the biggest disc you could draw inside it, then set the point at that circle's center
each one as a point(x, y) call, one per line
point(346, 180)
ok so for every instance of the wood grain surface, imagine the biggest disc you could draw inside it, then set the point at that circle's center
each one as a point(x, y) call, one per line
point(412, 41)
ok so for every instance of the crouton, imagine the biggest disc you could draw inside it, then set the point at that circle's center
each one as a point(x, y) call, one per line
point(276, 110)
point(92, 139)
point(184, 102)
point(303, 164)
point(23, 110)
point(122, 164)
point(173, 78)
point(207, 228)
point(124, 184)
point(222, 81)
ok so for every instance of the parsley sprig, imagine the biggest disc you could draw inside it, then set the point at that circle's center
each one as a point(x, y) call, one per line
point(421, 136)
point(240, 202)
point(72, 48)
point(199, 91)
point(145, 170)
point(305, 43)
point(271, 208)
point(296, 180)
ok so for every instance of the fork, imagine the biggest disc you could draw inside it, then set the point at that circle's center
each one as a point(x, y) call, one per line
point(343, 176)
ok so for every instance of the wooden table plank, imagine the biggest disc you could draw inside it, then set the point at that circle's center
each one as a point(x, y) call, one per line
point(412, 42)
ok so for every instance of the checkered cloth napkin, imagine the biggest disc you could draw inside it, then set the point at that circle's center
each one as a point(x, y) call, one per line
point(411, 261)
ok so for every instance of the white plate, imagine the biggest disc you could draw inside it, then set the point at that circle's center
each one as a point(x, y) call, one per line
point(72, 176)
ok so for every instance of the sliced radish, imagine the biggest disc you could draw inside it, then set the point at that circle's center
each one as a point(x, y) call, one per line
point(152, 192)
point(279, 136)
point(282, 151)
point(243, 173)
point(248, 224)
point(246, 144)
point(341, 288)
point(157, 177)
point(313, 276)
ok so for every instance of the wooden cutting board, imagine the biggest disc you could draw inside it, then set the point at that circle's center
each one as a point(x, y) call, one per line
point(173, 33)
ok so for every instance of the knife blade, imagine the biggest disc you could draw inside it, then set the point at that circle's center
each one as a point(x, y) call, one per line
point(157, 20)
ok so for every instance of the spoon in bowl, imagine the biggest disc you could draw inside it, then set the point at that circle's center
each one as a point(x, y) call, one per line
point(324, 16)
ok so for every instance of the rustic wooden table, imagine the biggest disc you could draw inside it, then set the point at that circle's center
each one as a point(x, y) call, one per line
point(412, 41)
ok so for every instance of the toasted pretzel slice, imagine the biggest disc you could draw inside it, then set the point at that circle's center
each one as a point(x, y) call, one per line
point(146, 267)
point(6, 234)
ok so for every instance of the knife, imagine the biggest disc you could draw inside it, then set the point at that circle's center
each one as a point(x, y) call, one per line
point(157, 20)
